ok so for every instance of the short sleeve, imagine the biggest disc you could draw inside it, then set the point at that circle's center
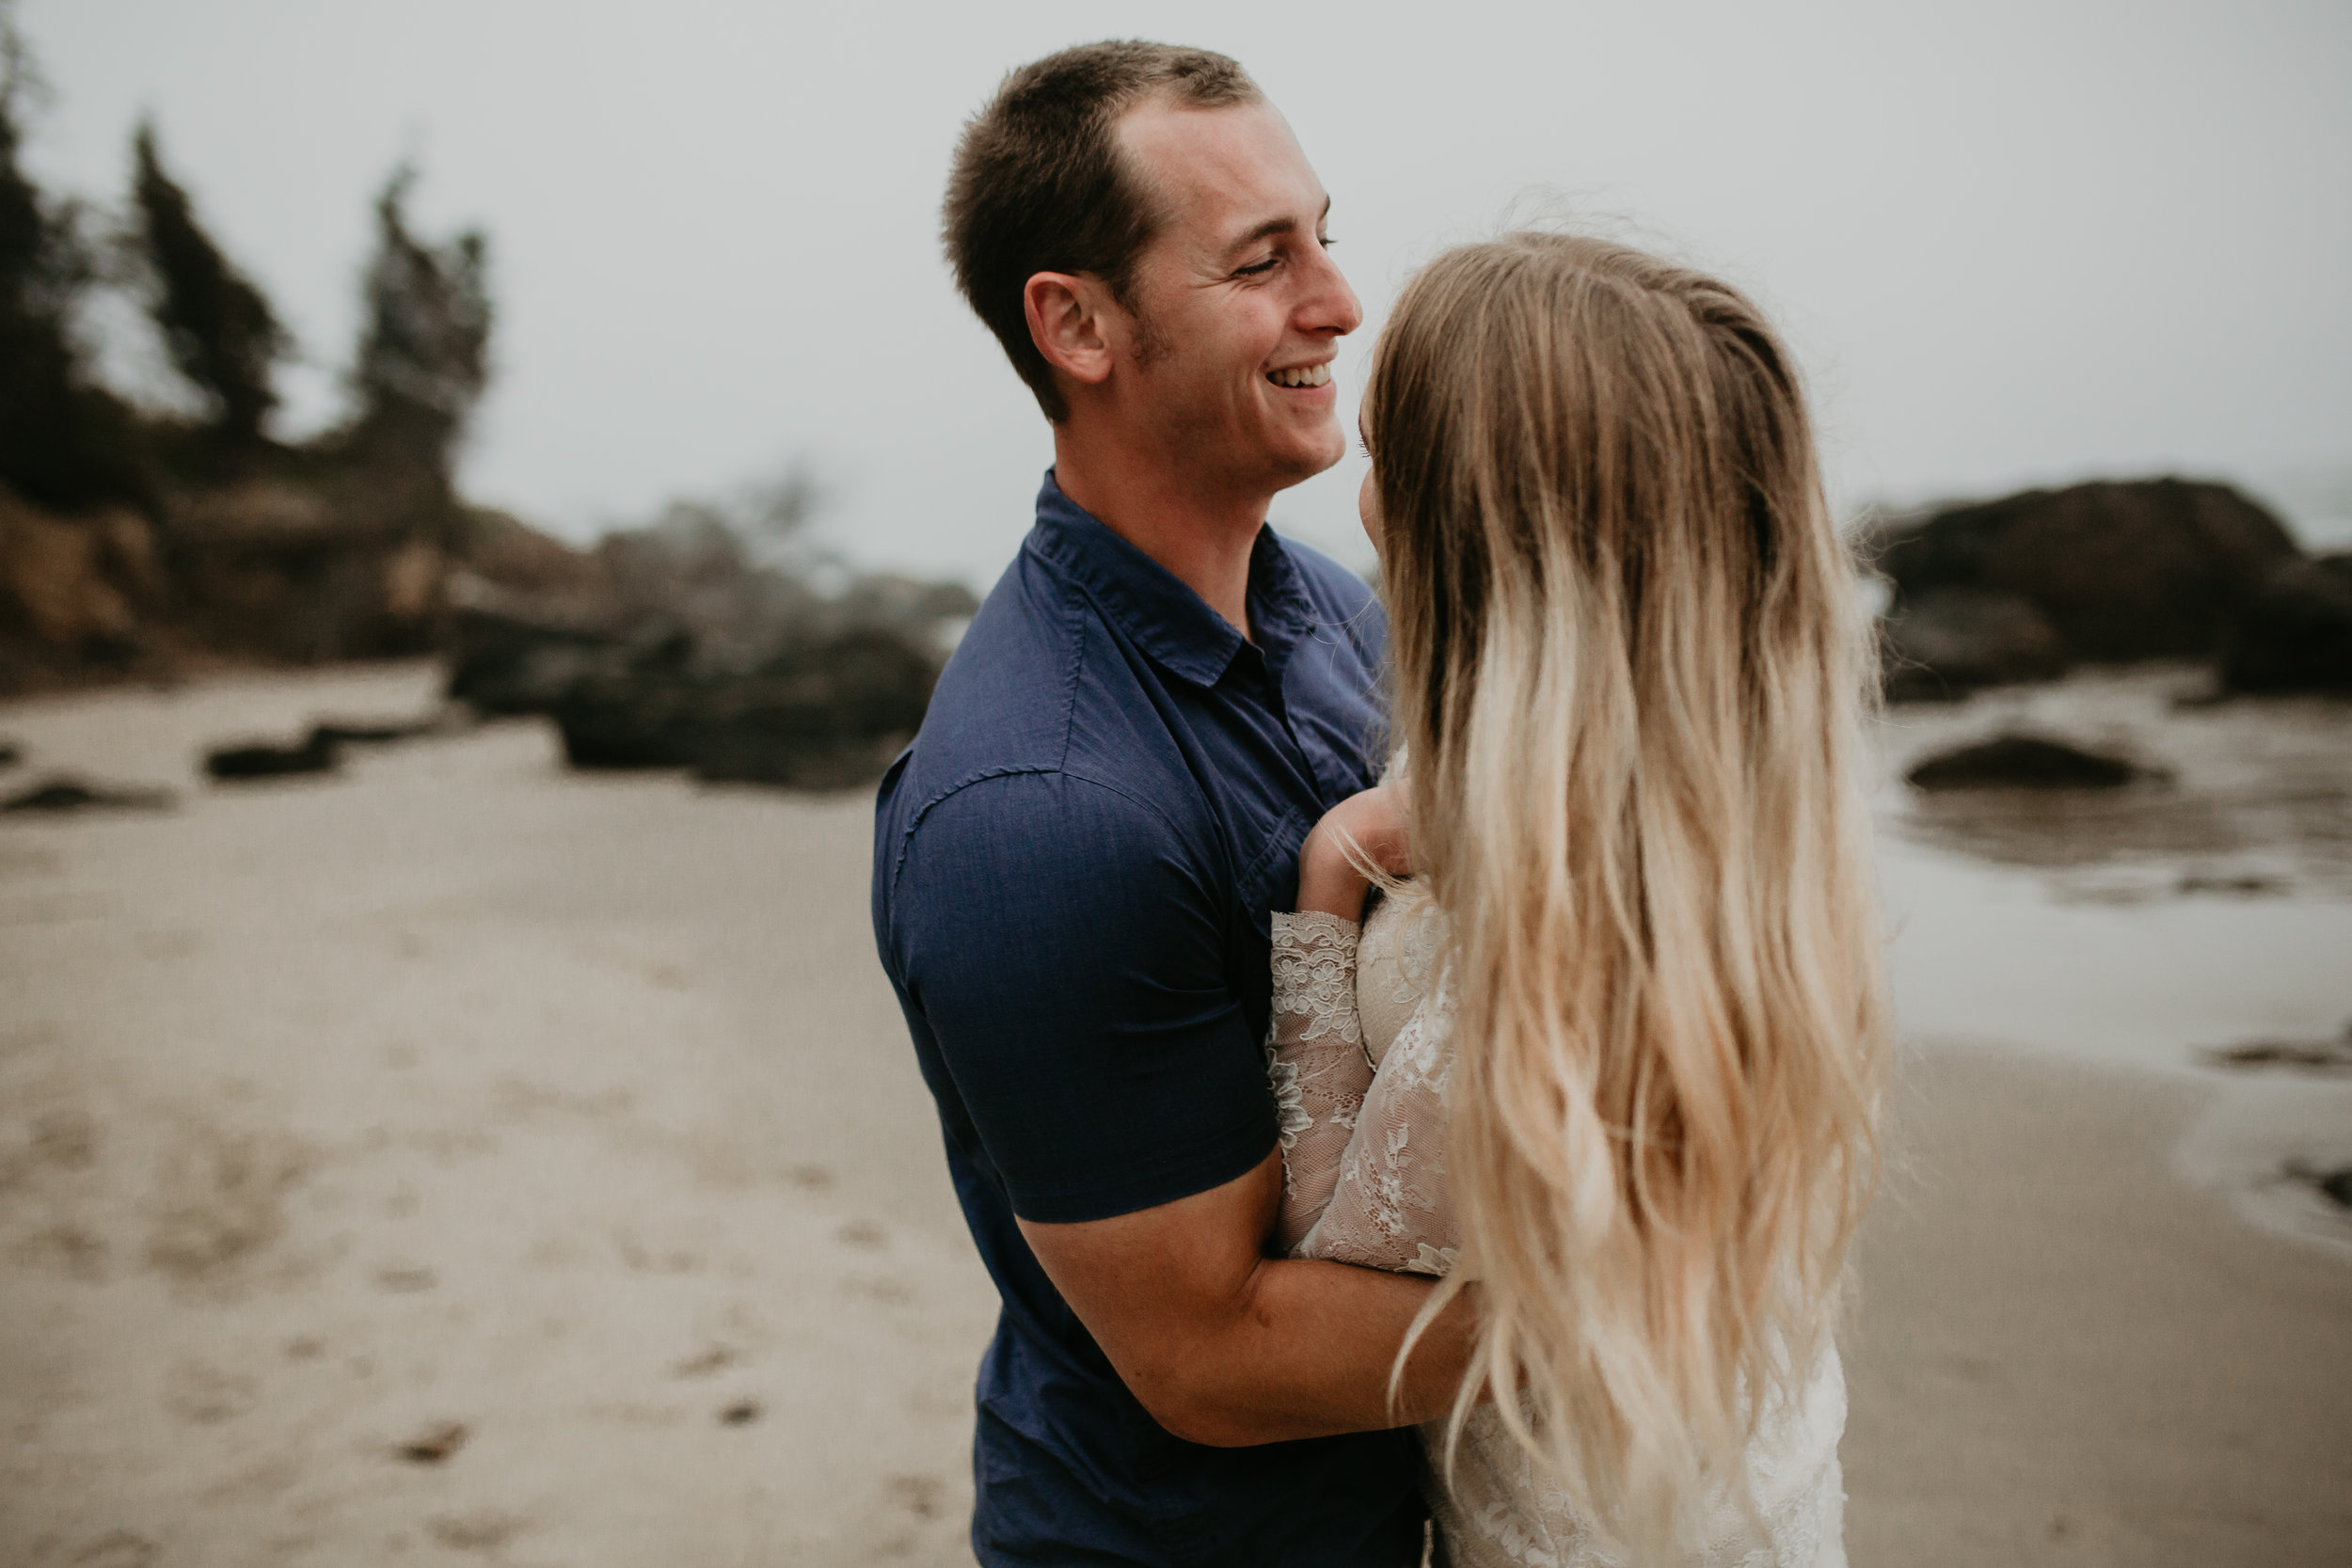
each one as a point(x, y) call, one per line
point(1065, 946)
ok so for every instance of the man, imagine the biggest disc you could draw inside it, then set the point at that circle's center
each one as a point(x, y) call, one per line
point(1075, 860)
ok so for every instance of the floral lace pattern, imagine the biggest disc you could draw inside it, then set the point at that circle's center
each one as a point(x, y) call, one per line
point(1391, 1207)
point(1365, 1183)
point(1315, 1060)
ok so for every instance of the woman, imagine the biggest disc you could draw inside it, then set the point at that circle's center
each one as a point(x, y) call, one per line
point(1627, 1018)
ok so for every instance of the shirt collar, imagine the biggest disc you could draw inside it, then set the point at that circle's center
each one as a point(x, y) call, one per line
point(1171, 623)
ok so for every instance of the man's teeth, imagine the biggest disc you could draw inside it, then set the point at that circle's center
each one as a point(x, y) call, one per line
point(1301, 375)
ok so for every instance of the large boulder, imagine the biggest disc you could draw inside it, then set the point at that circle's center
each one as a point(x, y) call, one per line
point(2026, 761)
point(2295, 633)
point(1947, 642)
point(508, 660)
point(826, 715)
point(614, 719)
point(705, 642)
point(2121, 570)
point(821, 715)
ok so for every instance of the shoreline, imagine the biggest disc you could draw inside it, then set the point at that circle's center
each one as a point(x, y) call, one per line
point(2063, 1353)
point(457, 1159)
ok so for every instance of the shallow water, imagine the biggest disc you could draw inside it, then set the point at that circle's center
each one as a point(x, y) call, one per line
point(2150, 926)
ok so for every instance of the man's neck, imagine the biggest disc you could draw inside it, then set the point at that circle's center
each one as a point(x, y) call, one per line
point(1204, 538)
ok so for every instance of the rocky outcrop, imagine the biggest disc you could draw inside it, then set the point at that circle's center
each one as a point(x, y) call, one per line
point(2296, 632)
point(821, 715)
point(1947, 642)
point(74, 584)
point(2026, 761)
point(263, 569)
point(2146, 569)
point(827, 715)
point(318, 754)
point(508, 660)
point(684, 653)
point(278, 569)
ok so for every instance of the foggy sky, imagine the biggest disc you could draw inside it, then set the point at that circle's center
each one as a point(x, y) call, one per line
point(2011, 241)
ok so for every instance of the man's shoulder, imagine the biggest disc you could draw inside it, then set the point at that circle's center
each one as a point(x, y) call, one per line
point(1003, 701)
point(1033, 816)
point(1000, 760)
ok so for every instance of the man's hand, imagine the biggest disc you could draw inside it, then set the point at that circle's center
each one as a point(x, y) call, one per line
point(1227, 1347)
point(1366, 827)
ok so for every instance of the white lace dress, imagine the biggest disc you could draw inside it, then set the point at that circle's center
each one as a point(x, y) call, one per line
point(1358, 1052)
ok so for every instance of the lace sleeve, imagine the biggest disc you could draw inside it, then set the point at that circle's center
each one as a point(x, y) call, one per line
point(1391, 1206)
point(1315, 1058)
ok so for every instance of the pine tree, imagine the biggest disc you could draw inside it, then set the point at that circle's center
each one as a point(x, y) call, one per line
point(423, 356)
point(64, 441)
point(218, 326)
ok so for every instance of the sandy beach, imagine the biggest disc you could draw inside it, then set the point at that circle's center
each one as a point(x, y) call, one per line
point(459, 1160)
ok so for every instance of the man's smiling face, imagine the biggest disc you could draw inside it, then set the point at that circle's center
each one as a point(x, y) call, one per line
point(1240, 307)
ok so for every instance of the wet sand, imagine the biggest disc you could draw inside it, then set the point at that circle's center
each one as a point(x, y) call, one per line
point(2063, 1353)
point(457, 1160)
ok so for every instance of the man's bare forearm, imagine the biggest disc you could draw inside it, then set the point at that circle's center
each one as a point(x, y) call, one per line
point(1309, 1354)
point(1226, 1346)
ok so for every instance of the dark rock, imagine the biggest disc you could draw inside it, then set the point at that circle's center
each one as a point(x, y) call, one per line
point(2143, 569)
point(2337, 1184)
point(504, 663)
point(2026, 762)
point(60, 794)
point(10, 754)
point(2331, 1055)
point(824, 715)
point(318, 754)
point(708, 649)
point(1946, 641)
point(623, 721)
point(2323, 1056)
point(2295, 633)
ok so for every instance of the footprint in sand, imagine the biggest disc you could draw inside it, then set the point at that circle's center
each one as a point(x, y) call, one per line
point(864, 1235)
point(486, 1530)
point(434, 1444)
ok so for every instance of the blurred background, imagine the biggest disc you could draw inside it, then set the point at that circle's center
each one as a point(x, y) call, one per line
point(484, 488)
point(2014, 243)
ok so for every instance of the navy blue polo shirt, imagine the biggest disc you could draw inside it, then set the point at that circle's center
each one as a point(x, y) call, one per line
point(1074, 867)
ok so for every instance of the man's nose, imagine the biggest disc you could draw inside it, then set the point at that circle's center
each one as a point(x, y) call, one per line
point(1331, 305)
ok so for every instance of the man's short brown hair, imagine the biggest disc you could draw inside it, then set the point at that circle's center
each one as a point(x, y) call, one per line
point(1039, 185)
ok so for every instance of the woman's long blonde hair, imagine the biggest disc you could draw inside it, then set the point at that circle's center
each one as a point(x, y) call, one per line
point(1629, 671)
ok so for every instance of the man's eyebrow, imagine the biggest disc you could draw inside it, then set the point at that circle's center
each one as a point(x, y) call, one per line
point(1272, 227)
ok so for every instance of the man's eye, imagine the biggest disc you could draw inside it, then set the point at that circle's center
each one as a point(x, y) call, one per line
point(1255, 268)
point(1325, 241)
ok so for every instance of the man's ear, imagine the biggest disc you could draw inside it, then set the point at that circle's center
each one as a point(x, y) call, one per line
point(1066, 324)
